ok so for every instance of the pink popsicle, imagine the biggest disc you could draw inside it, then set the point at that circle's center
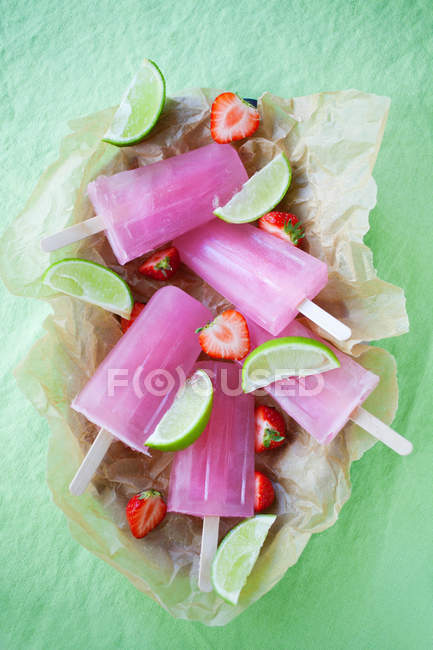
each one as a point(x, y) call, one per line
point(146, 207)
point(215, 475)
point(321, 404)
point(266, 278)
point(123, 396)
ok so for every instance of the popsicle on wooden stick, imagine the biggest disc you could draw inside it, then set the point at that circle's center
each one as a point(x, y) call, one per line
point(322, 404)
point(143, 208)
point(214, 477)
point(137, 382)
point(269, 280)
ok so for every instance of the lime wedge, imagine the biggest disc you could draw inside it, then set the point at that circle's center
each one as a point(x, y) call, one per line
point(237, 554)
point(92, 283)
point(286, 357)
point(140, 107)
point(259, 194)
point(187, 417)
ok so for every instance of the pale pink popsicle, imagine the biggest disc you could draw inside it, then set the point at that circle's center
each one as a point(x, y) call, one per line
point(263, 276)
point(123, 396)
point(215, 475)
point(321, 404)
point(146, 207)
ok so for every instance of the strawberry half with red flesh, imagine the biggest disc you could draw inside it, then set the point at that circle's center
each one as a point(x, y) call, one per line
point(144, 512)
point(161, 265)
point(283, 225)
point(226, 337)
point(125, 324)
point(232, 118)
point(270, 428)
point(264, 495)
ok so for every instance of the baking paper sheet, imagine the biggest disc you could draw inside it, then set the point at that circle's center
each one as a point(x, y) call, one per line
point(332, 140)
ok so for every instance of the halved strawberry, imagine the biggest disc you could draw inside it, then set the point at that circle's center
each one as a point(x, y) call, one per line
point(145, 511)
point(283, 225)
point(270, 428)
point(125, 324)
point(232, 118)
point(161, 265)
point(226, 337)
point(264, 495)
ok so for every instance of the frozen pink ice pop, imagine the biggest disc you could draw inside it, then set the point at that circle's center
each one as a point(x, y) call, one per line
point(267, 279)
point(322, 404)
point(143, 208)
point(137, 382)
point(214, 477)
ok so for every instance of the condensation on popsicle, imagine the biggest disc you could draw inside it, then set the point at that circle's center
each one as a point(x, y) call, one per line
point(266, 278)
point(143, 208)
point(322, 404)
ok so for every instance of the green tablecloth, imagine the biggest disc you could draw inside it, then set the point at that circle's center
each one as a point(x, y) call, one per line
point(365, 583)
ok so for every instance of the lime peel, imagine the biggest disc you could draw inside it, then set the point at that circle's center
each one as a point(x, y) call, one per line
point(237, 555)
point(301, 357)
point(187, 417)
point(140, 107)
point(92, 283)
point(260, 194)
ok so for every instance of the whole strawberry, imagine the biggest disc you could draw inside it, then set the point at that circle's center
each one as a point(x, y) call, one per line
point(270, 428)
point(161, 265)
point(264, 495)
point(232, 118)
point(125, 324)
point(226, 337)
point(145, 511)
point(283, 225)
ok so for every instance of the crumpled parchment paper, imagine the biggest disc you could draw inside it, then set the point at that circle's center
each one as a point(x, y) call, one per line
point(332, 140)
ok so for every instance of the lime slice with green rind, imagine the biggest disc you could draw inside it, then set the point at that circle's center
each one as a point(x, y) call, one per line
point(259, 194)
point(92, 283)
point(187, 417)
point(140, 107)
point(289, 356)
point(237, 554)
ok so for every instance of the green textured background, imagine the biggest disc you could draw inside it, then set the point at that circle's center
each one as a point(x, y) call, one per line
point(368, 581)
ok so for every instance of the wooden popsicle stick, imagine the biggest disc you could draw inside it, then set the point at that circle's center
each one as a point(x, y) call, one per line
point(335, 327)
point(72, 234)
point(91, 462)
point(209, 544)
point(382, 431)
